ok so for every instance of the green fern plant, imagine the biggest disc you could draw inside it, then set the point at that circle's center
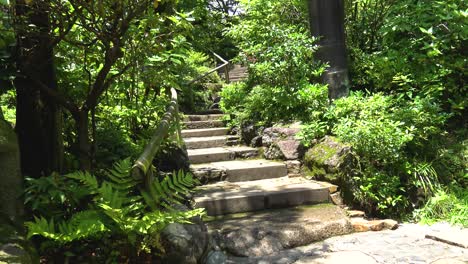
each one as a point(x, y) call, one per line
point(120, 206)
point(170, 190)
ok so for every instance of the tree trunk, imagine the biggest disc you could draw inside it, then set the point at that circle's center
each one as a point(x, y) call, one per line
point(326, 19)
point(84, 142)
point(38, 118)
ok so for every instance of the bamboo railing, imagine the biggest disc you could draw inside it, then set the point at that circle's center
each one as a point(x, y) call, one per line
point(142, 167)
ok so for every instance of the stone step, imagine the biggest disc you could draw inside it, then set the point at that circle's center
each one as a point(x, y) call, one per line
point(210, 142)
point(203, 117)
point(228, 197)
point(271, 231)
point(203, 124)
point(220, 154)
point(205, 132)
point(239, 170)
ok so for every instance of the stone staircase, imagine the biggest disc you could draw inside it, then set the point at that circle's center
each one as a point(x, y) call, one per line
point(236, 179)
point(238, 73)
point(255, 206)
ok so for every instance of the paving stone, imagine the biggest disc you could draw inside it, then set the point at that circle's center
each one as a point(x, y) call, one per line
point(453, 237)
point(407, 244)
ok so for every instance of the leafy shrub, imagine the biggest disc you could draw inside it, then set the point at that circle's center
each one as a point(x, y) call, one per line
point(394, 140)
point(116, 208)
point(411, 46)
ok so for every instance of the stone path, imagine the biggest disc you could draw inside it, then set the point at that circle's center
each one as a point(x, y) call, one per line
point(406, 245)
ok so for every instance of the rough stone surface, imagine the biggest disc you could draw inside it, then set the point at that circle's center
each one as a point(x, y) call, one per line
point(291, 149)
point(407, 244)
point(273, 152)
point(328, 159)
point(10, 175)
point(281, 143)
point(185, 243)
point(451, 235)
point(356, 213)
point(216, 257)
point(208, 174)
point(274, 134)
point(336, 199)
point(264, 233)
point(293, 166)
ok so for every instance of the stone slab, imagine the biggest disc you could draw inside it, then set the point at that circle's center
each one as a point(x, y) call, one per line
point(205, 132)
point(203, 124)
point(245, 170)
point(206, 155)
point(228, 197)
point(205, 142)
point(457, 238)
point(203, 117)
point(266, 232)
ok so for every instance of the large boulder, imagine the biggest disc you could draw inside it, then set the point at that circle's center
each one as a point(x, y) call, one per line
point(267, 232)
point(329, 160)
point(185, 243)
point(281, 143)
point(11, 180)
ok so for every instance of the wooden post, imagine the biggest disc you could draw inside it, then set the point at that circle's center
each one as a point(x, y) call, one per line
point(326, 19)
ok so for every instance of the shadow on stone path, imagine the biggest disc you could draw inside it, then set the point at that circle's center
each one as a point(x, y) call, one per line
point(408, 244)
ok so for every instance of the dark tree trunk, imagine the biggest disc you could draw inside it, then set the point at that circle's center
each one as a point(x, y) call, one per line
point(38, 122)
point(84, 142)
point(327, 23)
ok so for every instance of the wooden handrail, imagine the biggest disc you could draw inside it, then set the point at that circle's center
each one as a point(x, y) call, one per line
point(224, 65)
point(141, 169)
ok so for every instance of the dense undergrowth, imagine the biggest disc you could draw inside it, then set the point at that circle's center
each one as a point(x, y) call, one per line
point(406, 115)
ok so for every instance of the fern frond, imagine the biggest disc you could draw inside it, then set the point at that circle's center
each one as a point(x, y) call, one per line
point(81, 225)
point(120, 177)
point(86, 179)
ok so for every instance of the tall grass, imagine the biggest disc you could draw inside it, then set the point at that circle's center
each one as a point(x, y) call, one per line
point(449, 205)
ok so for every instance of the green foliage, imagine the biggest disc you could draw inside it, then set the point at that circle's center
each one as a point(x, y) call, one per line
point(395, 144)
point(276, 46)
point(116, 206)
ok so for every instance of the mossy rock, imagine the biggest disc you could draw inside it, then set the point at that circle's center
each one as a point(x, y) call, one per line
point(328, 160)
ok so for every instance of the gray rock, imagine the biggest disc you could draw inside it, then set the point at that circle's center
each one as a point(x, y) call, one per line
point(275, 134)
point(291, 149)
point(256, 142)
point(273, 152)
point(216, 257)
point(281, 143)
point(185, 243)
point(293, 166)
point(10, 173)
point(248, 132)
